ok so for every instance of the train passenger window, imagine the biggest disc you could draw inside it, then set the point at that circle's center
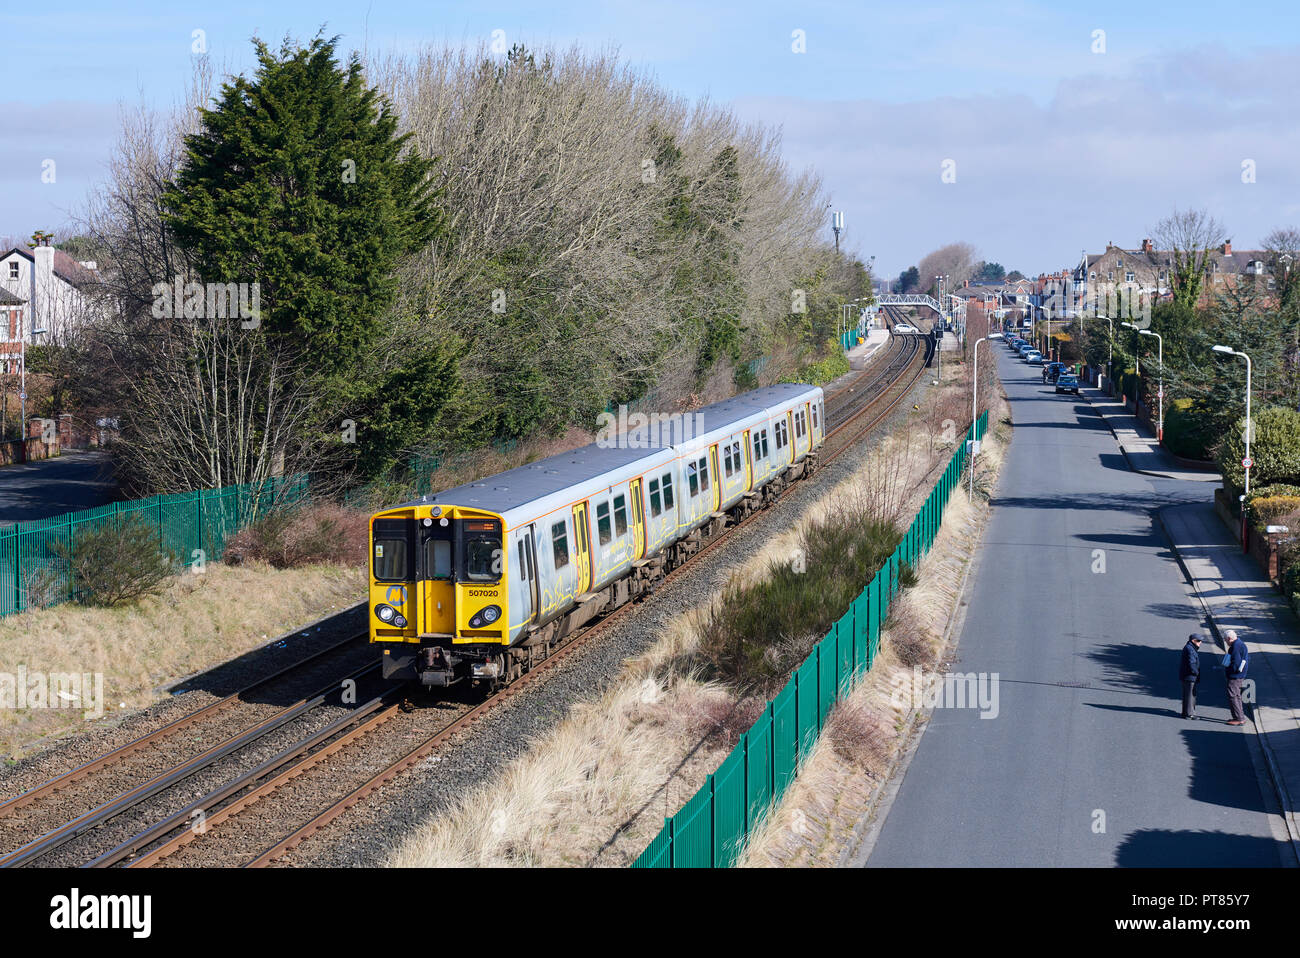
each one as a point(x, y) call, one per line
point(620, 515)
point(758, 447)
point(693, 478)
point(437, 558)
point(726, 459)
point(560, 543)
point(776, 434)
point(736, 455)
point(704, 473)
point(654, 498)
point(814, 409)
point(668, 490)
point(602, 522)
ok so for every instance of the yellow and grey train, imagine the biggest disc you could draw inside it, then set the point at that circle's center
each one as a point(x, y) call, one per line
point(481, 581)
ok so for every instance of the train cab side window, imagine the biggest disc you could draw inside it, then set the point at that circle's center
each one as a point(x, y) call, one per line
point(602, 523)
point(523, 566)
point(620, 515)
point(390, 560)
point(560, 543)
point(704, 473)
point(668, 490)
point(814, 409)
point(654, 498)
point(693, 478)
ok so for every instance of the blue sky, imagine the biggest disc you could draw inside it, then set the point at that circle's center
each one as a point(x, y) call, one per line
point(1056, 147)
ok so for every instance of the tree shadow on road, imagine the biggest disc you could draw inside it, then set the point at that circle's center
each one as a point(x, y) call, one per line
point(1169, 848)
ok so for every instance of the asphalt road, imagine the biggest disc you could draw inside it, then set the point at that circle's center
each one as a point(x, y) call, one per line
point(1087, 762)
point(50, 487)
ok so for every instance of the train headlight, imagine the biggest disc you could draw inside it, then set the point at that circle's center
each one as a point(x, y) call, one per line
point(399, 621)
point(485, 616)
point(386, 613)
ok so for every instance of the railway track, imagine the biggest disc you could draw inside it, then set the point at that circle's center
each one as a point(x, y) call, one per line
point(245, 819)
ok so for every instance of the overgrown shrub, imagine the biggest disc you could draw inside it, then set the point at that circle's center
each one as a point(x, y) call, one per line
point(319, 532)
point(761, 632)
point(1275, 449)
point(1291, 583)
point(1188, 432)
point(1266, 510)
point(118, 561)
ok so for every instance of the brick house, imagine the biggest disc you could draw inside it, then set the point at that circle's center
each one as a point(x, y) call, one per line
point(1150, 269)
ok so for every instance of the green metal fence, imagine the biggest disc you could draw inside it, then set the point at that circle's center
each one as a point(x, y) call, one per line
point(32, 575)
point(711, 829)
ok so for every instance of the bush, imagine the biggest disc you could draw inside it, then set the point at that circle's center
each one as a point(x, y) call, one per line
point(319, 532)
point(763, 631)
point(1267, 510)
point(1187, 433)
point(1291, 584)
point(116, 562)
point(1275, 450)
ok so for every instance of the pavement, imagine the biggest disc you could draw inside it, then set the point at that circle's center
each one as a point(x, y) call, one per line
point(51, 487)
point(1138, 443)
point(1077, 612)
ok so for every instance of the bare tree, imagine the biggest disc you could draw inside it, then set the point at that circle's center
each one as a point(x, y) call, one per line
point(1190, 237)
point(956, 261)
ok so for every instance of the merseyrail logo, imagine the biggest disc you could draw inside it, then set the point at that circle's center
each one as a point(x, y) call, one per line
point(76, 911)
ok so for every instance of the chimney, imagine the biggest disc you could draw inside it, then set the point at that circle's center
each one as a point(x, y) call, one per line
point(1147, 247)
point(965, 284)
point(1227, 248)
point(42, 288)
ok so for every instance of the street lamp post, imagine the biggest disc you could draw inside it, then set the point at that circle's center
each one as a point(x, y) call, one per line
point(1246, 464)
point(974, 390)
point(1160, 346)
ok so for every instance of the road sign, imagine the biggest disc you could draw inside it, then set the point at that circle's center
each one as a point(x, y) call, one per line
point(1247, 463)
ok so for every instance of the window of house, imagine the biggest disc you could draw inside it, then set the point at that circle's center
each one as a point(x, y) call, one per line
point(620, 515)
point(655, 508)
point(668, 490)
point(13, 270)
point(602, 523)
point(560, 544)
point(1128, 276)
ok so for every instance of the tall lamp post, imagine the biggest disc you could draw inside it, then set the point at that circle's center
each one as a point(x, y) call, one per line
point(974, 390)
point(1160, 395)
point(1246, 463)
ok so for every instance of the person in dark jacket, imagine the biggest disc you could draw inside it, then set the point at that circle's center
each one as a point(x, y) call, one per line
point(1235, 663)
point(1189, 671)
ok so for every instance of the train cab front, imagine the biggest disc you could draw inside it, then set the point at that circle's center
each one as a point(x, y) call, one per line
point(438, 594)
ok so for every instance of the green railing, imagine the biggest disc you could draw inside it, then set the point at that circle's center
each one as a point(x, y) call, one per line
point(32, 574)
point(711, 829)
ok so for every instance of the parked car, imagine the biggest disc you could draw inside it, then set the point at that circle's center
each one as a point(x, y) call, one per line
point(904, 329)
point(1024, 349)
point(1052, 370)
point(1033, 357)
point(995, 336)
point(1067, 383)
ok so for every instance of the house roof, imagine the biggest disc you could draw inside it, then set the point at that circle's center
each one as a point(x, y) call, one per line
point(9, 299)
point(65, 267)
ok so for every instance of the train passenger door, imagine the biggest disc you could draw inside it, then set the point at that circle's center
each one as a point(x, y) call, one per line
point(638, 521)
point(789, 425)
point(748, 452)
point(717, 476)
point(581, 549)
point(527, 575)
point(808, 424)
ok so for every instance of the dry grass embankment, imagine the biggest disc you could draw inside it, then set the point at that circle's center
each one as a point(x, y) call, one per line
point(595, 789)
point(196, 621)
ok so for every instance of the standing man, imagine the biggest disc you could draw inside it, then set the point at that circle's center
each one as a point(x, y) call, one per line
point(1189, 671)
point(1235, 664)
